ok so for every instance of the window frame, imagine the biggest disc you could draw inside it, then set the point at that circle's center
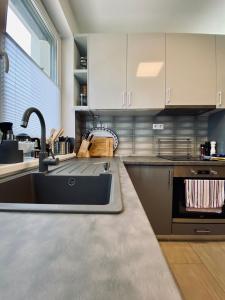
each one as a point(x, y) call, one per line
point(55, 63)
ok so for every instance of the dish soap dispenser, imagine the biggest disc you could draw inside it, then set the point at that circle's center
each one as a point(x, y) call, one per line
point(213, 148)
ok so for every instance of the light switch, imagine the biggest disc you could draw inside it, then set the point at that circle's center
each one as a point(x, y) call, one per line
point(158, 126)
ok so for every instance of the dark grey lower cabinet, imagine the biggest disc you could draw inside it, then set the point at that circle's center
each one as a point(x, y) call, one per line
point(153, 185)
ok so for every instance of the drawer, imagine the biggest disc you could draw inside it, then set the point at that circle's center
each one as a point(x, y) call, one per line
point(198, 229)
point(209, 172)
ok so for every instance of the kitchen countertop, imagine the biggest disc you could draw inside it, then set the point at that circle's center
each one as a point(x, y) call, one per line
point(152, 160)
point(8, 169)
point(84, 256)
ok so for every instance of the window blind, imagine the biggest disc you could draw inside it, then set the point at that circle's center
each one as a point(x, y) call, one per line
point(24, 86)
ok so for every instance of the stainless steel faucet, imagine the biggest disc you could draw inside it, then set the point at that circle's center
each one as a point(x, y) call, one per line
point(44, 161)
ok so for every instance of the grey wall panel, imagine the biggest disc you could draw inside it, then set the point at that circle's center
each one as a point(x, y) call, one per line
point(217, 130)
point(138, 138)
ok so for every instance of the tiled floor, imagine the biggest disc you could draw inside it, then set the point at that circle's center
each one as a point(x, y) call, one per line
point(198, 267)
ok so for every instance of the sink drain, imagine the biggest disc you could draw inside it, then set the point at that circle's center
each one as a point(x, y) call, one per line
point(71, 181)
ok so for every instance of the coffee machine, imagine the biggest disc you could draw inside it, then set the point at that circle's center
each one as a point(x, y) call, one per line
point(9, 153)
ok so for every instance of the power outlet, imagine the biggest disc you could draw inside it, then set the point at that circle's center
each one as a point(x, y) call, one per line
point(158, 126)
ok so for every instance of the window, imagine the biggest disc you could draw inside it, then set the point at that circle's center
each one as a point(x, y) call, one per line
point(32, 44)
point(30, 32)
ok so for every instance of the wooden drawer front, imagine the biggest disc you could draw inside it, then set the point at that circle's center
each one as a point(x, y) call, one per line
point(198, 229)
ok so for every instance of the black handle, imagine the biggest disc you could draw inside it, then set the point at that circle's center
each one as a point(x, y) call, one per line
point(89, 147)
point(91, 137)
point(106, 166)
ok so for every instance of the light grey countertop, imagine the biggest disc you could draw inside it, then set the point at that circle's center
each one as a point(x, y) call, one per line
point(152, 160)
point(84, 256)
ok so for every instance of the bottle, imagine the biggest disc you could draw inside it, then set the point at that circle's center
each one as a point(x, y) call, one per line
point(9, 135)
point(212, 148)
point(202, 151)
point(207, 148)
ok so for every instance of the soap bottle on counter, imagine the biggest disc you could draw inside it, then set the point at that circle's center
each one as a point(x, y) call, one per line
point(212, 148)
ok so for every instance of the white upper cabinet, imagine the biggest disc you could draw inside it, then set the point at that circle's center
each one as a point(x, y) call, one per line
point(220, 60)
point(190, 69)
point(149, 71)
point(107, 71)
point(146, 71)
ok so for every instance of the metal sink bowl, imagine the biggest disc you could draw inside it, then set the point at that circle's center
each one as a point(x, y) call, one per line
point(63, 191)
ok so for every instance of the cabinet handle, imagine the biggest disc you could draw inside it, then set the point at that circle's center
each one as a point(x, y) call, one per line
point(123, 99)
point(202, 231)
point(168, 97)
point(129, 99)
point(170, 178)
point(220, 98)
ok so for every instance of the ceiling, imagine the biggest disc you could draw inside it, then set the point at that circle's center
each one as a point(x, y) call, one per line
point(193, 16)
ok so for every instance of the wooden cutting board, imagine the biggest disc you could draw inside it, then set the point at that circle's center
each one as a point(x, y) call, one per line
point(101, 147)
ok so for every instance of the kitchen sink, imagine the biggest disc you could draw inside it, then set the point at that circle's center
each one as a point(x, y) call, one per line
point(63, 190)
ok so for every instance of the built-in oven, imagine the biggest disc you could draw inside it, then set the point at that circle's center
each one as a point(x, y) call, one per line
point(179, 211)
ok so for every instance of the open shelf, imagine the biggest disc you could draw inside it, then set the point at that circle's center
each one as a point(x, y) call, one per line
point(81, 43)
point(81, 108)
point(81, 75)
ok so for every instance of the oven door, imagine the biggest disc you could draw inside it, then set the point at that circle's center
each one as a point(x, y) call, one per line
point(179, 212)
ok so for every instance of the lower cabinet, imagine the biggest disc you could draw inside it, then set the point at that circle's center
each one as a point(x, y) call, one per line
point(153, 185)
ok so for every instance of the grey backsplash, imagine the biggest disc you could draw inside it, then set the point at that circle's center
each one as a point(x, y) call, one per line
point(217, 130)
point(136, 136)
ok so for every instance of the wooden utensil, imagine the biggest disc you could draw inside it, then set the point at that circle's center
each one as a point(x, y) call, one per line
point(55, 136)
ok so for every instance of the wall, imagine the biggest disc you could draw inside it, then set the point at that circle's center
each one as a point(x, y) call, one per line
point(64, 20)
point(217, 130)
point(68, 115)
point(137, 137)
point(62, 17)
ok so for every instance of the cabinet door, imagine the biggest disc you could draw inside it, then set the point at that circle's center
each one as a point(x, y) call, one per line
point(154, 188)
point(190, 69)
point(220, 60)
point(107, 71)
point(146, 71)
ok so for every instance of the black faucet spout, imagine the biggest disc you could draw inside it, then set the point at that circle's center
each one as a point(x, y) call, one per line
point(43, 161)
point(25, 120)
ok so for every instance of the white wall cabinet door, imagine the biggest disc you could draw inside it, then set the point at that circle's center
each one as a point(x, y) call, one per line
point(146, 71)
point(107, 71)
point(220, 60)
point(190, 69)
